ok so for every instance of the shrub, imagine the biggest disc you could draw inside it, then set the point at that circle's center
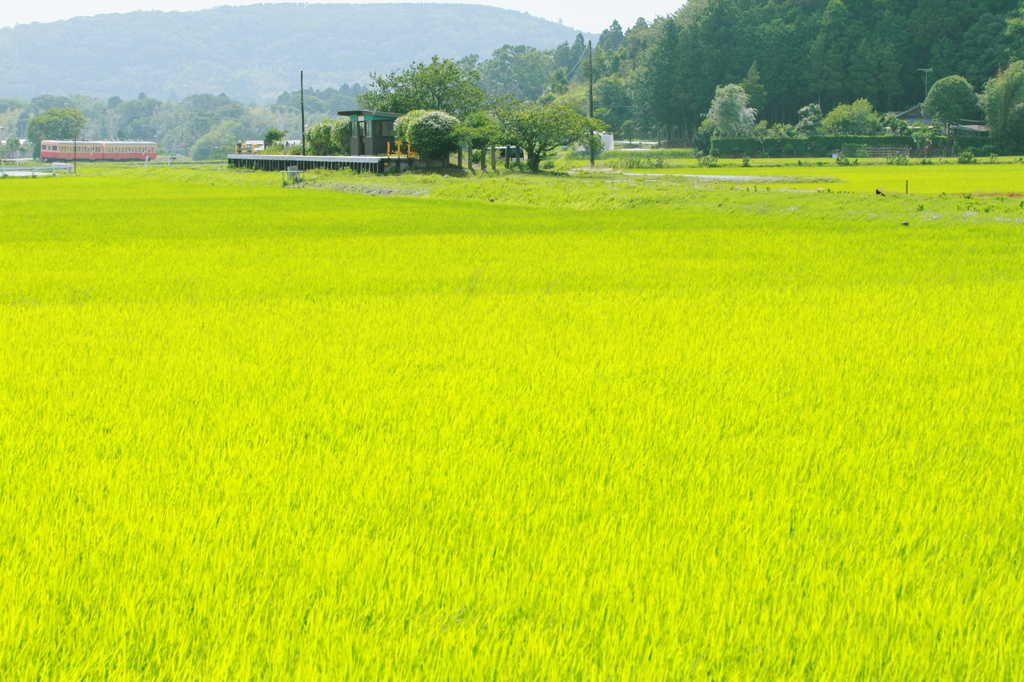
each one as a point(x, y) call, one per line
point(858, 118)
point(708, 161)
point(966, 157)
point(854, 151)
point(432, 134)
point(329, 138)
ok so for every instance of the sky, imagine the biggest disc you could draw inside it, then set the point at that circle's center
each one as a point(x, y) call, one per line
point(586, 15)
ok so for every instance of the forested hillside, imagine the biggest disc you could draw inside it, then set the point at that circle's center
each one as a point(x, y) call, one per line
point(250, 53)
point(658, 78)
point(825, 51)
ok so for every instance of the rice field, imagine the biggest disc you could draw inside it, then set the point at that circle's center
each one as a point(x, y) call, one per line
point(255, 433)
point(936, 178)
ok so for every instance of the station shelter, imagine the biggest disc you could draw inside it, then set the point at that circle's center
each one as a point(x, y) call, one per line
point(373, 132)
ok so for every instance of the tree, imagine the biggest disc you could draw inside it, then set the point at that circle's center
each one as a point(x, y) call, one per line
point(830, 52)
point(986, 48)
point(559, 82)
point(521, 71)
point(950, 101)
point(729, 112)
point(135, 118)
point(757, 96)
point(218, 142)
point(55, 124)
point(1015, 34)
point(431, 134)
point(611, 38)
point(330, 137)
point(569, 57)
point(541, 128)
point(810, 120)
point(41, 103)
point(1003, 102)
point(655, 83)
point(612, 102)
point(889, 83)
point(441, 85)
point(478, 130)
point(859, 118)
point(273, 136)
point(863, 74)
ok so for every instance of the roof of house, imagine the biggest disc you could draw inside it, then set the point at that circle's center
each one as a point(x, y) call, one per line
point(913, 114)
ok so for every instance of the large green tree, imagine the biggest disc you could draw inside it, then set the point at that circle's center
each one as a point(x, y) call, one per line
point(859, 118)
point(541, 128)
point(55, 124)
point(1003, 102)
point(950, 101)
point(441, 85)
point(729, 113)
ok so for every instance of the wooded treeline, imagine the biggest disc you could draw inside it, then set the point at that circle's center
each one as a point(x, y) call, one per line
point(660, 78)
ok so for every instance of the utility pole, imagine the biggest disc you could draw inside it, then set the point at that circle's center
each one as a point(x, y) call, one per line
point(926, 72)
point(590, 108)
point(302, 104)
point(74, 126)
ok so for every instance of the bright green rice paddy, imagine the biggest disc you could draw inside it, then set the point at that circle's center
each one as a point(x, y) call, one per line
point(249, 432)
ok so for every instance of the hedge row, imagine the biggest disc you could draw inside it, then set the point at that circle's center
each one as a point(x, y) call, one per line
point(812, 147)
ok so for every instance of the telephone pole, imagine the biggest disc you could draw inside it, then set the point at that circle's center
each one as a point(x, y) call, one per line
point(302, 105)
point(590, 59)
point(74, 126)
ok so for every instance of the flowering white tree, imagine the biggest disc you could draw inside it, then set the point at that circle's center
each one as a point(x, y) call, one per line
point(729, 112)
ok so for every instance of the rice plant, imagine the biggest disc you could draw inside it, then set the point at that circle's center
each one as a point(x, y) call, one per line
point(259, 433)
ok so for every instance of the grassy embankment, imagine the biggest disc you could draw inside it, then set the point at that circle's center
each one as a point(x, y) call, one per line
point(261, 433)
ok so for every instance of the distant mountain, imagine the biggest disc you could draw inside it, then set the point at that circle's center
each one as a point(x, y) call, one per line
point(254, 52)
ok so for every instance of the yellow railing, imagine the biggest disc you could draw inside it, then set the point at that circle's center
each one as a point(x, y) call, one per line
point(398, 150)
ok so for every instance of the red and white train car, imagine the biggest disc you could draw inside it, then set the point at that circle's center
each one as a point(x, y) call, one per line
point(97, 150)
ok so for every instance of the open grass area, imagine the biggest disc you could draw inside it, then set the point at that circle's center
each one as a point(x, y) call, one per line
point(601, 428)
point(1005, 175)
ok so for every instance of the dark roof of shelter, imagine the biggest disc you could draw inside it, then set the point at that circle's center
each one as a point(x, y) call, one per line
point(363, 112)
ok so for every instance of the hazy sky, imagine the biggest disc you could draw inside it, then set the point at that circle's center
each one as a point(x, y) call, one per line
point(592, 15)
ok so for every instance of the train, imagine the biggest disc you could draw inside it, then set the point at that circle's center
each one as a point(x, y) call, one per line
point(97, 150)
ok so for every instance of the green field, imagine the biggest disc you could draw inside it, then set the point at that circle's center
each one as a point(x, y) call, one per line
point(508, 428)
point(939, 176)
